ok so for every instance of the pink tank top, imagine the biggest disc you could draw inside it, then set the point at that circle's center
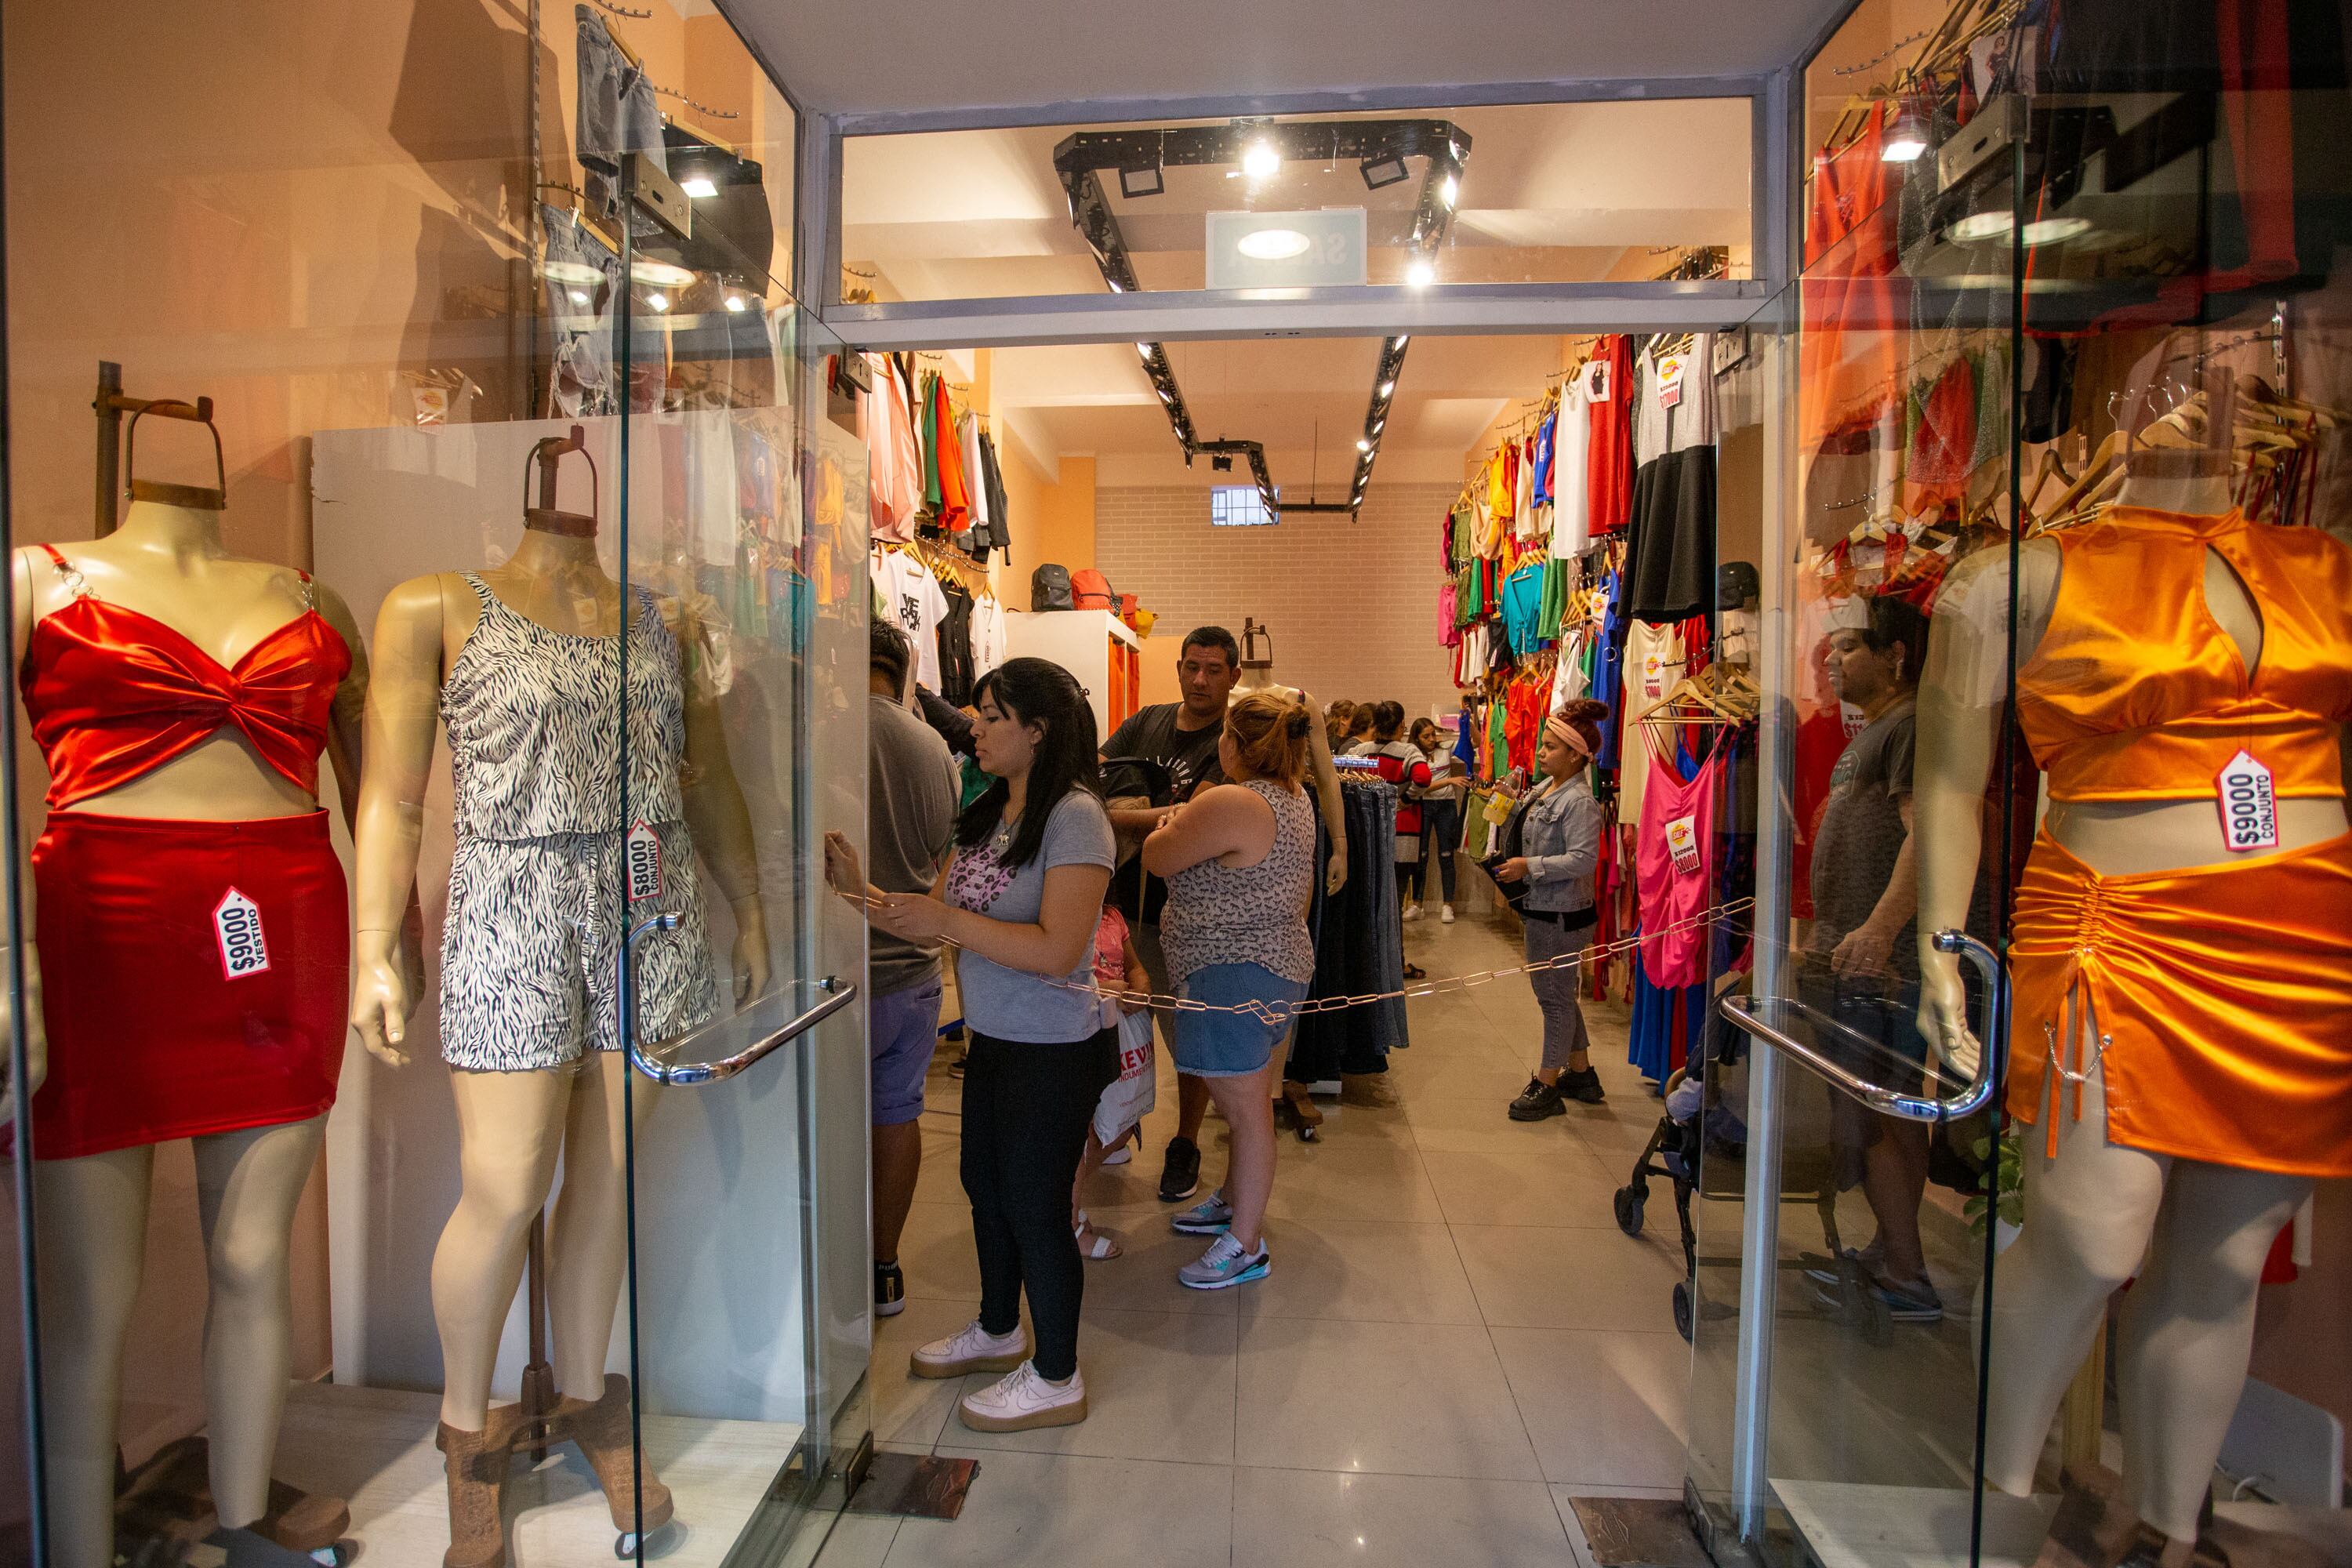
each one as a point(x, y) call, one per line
point(1673, 868)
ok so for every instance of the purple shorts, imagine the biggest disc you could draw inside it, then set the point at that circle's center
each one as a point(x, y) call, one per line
point(905, 1027)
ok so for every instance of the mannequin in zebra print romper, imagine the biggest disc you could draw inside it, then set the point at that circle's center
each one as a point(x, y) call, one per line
point(523, 667)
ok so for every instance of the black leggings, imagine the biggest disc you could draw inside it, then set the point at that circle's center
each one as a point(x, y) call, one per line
point(1441, 833)
point(1025, 1110)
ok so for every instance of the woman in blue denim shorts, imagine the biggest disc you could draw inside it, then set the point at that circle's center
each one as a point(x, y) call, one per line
point(1239, 864)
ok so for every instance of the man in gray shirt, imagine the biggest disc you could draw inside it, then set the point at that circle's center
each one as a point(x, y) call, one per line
point(910, 793)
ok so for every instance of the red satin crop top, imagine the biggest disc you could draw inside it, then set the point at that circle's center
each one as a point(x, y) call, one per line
point(114, 694)
point(2137, 693)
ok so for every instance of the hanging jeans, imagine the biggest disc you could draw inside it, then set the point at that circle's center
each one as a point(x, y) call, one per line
point(1026, 1107)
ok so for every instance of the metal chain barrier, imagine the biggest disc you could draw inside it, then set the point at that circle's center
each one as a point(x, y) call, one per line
point(1275, 1014)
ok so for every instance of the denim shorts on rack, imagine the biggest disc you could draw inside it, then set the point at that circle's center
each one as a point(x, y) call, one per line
point(1232, 1045)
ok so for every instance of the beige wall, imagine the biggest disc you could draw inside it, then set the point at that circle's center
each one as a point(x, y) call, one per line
point(1352, 604)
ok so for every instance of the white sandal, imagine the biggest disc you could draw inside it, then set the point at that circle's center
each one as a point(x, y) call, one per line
point(1092, 1245)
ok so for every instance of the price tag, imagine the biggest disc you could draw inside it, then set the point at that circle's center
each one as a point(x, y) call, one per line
point(1596, 386)
point(1654, 676)
point(1682, 843)
point(237, 926)
point(643, 850)
point(1670, 381)
point(2248, 805)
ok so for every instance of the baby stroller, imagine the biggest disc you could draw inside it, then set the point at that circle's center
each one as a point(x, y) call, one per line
point(1673, 1151)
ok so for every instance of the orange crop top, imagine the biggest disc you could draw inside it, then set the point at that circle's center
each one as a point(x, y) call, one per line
point(2137, 693)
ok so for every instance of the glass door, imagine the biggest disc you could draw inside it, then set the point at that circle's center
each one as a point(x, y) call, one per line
point(742, 521)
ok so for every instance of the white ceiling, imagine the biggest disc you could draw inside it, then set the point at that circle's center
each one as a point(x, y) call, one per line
point(921, 56)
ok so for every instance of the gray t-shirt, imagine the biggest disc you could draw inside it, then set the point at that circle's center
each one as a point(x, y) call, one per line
point(1861, 832)
point(910, 809)
point(1013, 1003)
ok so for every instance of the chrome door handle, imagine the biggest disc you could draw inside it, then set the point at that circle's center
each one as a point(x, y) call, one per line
point(659, 1061)
point(1993, 1051)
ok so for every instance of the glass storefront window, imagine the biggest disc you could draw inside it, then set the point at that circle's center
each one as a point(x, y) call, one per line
point(1548, 193)
point(433, 1018)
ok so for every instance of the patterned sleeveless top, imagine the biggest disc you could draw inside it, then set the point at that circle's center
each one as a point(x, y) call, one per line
point(534, 720)
point(1248, 914)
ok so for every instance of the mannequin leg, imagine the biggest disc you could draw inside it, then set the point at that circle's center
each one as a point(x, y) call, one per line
point(588, 1235)
point(2188, 1330)
point(248, 1185)
point(93, 1217)
point(2088, 1217)
point(509, 1130)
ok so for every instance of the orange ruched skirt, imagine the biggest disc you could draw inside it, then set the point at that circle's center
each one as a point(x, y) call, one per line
point(2224, 993)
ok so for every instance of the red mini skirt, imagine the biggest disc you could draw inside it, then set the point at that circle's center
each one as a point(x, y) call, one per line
point(194, 977)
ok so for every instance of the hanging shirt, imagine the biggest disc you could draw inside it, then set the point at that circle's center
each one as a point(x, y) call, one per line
point(910, 597)
point(1651, 665)
point(1522, 599)
point(1539, 479)
point(1608, 381)
point(954, 514)
point(1502, 485)
point(1571, 506)
point(968, 428)
point(1523, 507)
point(895, 463)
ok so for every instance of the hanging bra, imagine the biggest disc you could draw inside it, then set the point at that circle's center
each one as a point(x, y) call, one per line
point(114, 694)
point(2137, 693)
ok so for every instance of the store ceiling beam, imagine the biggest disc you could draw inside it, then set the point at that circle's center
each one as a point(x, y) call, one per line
point(1374, 311)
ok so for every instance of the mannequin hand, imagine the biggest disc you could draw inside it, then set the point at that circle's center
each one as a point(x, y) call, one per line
point(412, 948)
point(36, 1037)
point(380, 999)
point(1944, 1012)
point(750, 949)
point(1865, 951)
point(1334, 877)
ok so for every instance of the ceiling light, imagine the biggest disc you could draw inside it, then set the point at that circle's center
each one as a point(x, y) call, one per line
point(1906, 139)
point(1261, 162)
point(1383, 170)
point(660, 274)
point(1143, 349)
point(1387, 387)
point(1421, 273)
point(1273, 244)
point(1449, 191)
point(736, 302)
point(1114, 286)
point(1984, 227)
point(658, 299)
point(1147, 180)
point(580, 296)
point(2055, 230)
point(1363, 443)
point(1401, 341)
point(699, 186)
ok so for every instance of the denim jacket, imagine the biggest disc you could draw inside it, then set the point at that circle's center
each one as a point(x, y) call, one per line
point(1560, 839)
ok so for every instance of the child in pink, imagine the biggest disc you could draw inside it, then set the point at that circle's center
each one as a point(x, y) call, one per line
point(1119, 1115)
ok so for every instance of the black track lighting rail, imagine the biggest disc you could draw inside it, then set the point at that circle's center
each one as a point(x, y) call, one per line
point(1379, 149)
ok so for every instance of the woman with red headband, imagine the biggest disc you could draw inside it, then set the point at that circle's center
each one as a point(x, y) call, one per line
point(1560, 848)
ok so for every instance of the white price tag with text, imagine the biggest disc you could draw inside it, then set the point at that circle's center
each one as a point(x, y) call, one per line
point(1682, 843)
point(1670, 381)
point(2248, 805)
point(237, 926)
point(643, 849)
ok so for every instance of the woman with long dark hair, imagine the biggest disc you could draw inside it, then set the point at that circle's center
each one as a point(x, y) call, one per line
point(1019, 899)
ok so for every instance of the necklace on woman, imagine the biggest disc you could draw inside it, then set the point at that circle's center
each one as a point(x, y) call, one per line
point(1003, 839)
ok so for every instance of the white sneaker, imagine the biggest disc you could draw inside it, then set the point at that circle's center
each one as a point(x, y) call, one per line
point(1447, 918)
point(1412, 911)
point(970, 1349)
point(1118, 1156)
point(1021, 1400)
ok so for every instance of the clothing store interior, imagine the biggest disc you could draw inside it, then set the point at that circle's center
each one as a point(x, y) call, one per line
point(1003, 789)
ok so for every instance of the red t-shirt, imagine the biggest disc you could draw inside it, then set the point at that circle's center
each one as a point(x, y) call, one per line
point(1609, 446)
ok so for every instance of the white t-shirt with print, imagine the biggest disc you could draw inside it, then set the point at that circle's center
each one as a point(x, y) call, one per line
point(911, 597)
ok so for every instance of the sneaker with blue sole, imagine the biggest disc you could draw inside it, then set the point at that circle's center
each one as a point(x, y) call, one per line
point(1210, 1216)
point(1226, 1263)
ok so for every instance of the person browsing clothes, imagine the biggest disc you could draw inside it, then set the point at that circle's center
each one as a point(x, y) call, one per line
point(1559, 830)
point(1240, 864)
point(1021, 898)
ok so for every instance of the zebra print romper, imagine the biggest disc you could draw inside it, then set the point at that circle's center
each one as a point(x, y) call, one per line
point(539, 889)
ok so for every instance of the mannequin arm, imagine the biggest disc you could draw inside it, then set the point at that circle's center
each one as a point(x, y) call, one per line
point(721, 825)
point(403, 703)
point(37, 1040)
point(345, 721)
point(1327, 796)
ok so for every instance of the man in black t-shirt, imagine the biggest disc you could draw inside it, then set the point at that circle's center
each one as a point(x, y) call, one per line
point(1180, 738)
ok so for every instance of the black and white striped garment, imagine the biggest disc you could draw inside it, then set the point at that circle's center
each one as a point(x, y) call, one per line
point(539, 889)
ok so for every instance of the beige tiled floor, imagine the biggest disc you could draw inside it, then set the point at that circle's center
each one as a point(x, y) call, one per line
point(1455, 1338)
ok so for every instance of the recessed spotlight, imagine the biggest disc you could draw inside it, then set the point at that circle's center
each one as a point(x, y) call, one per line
point(658, 299)
point(1907, 138)
point(699, 186)
point(1273, 244)
point(1421, 273)
point(1401, 341)
point(737, 303)
point(1261, 162)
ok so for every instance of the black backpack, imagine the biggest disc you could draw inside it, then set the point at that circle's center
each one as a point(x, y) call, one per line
point(1049, 588)
point(1505, 845)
